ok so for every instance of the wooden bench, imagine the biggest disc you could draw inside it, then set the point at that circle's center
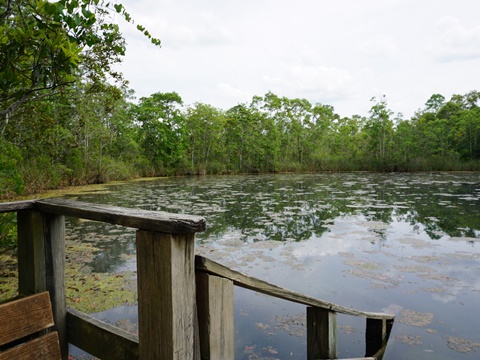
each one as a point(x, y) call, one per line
point(25, 329)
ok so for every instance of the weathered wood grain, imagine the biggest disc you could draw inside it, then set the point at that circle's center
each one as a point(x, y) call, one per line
point(31, 252)
point(136, 218)
point(25, 316)
point(42, 348)
point(215, 317)
point(55, 275)
point(166, 295)
point(100, 339)
point(321, 334)
point(16, 205)
point(248, 282)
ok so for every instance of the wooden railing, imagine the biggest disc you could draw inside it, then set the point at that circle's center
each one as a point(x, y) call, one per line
point(185, 303)
point(321, 315)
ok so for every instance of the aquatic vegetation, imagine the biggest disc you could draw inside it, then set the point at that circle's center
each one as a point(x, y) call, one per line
point(409, 339)
point(294, 325)
point(415, 318)
point(462, 345)
point(414, 268)
point(90, 291)
point(8, 276)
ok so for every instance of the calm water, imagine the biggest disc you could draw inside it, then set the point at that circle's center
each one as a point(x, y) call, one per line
point(402, 243)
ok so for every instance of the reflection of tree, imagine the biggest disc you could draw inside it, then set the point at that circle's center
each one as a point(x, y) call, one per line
point(280, 207)
point(113, 242)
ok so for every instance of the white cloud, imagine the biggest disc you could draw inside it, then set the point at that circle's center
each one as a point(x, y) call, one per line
point(339, 53)
point(233, 94)
point(379, 46)
point(318, 83)
point(457, 41)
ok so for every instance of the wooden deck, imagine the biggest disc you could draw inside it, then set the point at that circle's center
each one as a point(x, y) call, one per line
point(185, 302)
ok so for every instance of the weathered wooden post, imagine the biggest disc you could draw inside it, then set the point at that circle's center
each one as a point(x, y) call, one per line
point(321, 333)
point(376, 335)
point(166, 295)
point(41, 263)
point(55, 275)
point(215, 316)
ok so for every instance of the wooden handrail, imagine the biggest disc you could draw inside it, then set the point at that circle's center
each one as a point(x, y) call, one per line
point(91, 335)
point(16, 206)
point(249, 282)
point(135, 218)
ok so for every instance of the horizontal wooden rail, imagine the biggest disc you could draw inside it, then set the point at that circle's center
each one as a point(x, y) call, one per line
point(16, 206)
point(136, 218)
point(248, 282)
point(100, 339)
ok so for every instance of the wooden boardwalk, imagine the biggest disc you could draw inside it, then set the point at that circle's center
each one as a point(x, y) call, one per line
point(185, 302)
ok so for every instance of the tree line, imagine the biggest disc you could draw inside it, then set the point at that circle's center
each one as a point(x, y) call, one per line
point(68, 118)
point(97, 134)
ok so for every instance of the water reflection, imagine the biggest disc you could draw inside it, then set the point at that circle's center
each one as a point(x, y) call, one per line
point(398, 242)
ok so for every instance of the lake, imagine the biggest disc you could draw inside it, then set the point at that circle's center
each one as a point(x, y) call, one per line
point(407, 244)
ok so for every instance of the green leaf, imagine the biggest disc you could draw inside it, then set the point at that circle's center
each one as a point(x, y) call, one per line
point(50, 8)
point(87, 13)
point(77, 19)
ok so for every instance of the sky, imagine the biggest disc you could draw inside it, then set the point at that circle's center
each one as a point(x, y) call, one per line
point(333, 52)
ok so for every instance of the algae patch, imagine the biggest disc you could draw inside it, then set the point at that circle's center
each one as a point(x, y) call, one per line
point(294, 325)
point(410, 340)
point(89, 291)
point(415, 318)
point(86, 291)
point(8, 276)
point(462, 345)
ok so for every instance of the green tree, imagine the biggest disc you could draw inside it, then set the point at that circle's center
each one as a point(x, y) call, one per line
point(299, 114)
point(240, 132)
point(407, 141)
point(379, 130)
point(44, 43)
point(205, 130)
point(162, 131)
point(435, 103)
point(321, 136)
point(346, 139)
point(268, 132)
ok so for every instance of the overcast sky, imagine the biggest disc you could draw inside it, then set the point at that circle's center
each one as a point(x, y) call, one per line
point(335, 52)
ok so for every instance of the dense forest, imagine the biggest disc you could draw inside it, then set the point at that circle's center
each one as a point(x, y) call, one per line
point(68, 118)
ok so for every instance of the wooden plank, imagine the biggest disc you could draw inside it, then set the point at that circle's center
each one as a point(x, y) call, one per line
point(376, 335)
point(26, 316)
point(55, 275)
point(31, 252)
point(248, 282)
point(321, 333)
point(16, 206)
point(215, 317)
point(136, 218)
point(196, 337)
point(166, 295)
point(100, 339)
point(43, 348)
